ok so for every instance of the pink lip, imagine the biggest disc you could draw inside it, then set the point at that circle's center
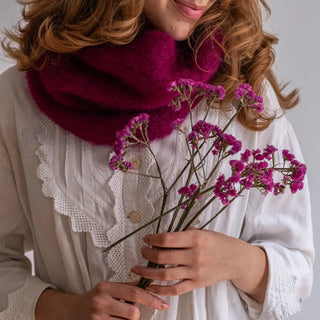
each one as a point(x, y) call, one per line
point(189, 10)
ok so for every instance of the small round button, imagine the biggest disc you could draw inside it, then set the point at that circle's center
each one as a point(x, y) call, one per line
point(135, 163)
point(134, 277)
point(134, 217)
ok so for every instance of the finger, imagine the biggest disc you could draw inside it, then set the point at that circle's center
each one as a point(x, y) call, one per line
point(123, 310)
point(173, 290)
point(163, 274)
point(132, 284)
point(137, 295)
point(170, 239)
point(180, 256)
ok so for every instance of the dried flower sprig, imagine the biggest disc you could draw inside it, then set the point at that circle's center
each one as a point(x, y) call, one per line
point(254, 169)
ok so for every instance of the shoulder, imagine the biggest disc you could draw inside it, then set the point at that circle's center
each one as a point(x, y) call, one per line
point(10, 80)
point(13, 86)
point(17, 109)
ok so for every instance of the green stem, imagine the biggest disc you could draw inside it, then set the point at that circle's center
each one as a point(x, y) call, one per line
point(199, 213)
point(215, 167)
point(174, 217)
point(142, 174)
point(164, 189)
point(190, 108)
point(187, 210)
point(223, 131)
point(164, 201)
point(142, 227)
point(198, 149)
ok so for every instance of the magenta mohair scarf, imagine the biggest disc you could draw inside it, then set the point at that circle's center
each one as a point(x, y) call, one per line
point(94, 92)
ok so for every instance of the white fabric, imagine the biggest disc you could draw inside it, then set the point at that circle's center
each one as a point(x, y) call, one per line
point(61, 199)
point(21, 303)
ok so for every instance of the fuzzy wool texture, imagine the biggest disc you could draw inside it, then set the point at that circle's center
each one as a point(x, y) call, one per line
point(94, 92)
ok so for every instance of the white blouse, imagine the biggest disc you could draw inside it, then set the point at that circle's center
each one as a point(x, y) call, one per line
point(60, 198)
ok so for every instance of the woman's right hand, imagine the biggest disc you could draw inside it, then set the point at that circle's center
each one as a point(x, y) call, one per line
point(101, 303)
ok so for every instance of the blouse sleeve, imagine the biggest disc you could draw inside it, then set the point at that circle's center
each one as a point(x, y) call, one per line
point(19, 290)
point(282, 226)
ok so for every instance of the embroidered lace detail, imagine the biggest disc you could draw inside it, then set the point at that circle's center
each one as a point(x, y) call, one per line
point(62, 204)
point(21, 303)
point(287, 301)
point(282, 300)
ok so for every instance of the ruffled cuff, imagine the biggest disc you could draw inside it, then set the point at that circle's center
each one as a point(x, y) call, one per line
point(22, 303)
point(281, 300)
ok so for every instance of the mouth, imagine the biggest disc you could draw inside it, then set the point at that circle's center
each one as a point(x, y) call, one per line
point(189, 10)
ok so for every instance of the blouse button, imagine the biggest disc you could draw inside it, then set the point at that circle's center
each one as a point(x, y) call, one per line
point(135, 163)
point(134, 217)
point(134, 277)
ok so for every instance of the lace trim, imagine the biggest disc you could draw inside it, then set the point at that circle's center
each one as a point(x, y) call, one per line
point(80, 222)
point(21, 303)
point(287, 301)
point(282, 300)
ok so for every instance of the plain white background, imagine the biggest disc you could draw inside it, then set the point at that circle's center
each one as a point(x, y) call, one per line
point(297, 24)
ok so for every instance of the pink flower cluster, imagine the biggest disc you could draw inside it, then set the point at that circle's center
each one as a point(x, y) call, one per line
point(225, 190)
point(258, 173)
point(202, 131)
point(256, 169)
point(117, 162)
point(187, 88)
point(227, 143)
point(297, 173)
point(197, 86)
point(188, 191)
point(244, 91)
point(126, 137)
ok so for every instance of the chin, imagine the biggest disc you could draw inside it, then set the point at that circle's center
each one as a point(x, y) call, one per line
point(180, 37)
point(177, 33)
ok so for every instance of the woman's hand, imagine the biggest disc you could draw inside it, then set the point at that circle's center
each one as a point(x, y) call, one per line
point(201, 258)
point(105, 301)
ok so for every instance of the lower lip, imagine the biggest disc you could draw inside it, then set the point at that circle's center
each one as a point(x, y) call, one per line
point(188, 12)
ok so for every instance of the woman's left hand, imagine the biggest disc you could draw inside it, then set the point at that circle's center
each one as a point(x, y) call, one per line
point(200, 258)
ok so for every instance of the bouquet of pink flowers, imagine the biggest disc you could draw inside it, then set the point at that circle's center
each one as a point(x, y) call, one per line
point(253, 169)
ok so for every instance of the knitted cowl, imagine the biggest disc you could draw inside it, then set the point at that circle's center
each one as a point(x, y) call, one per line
point(94, 92)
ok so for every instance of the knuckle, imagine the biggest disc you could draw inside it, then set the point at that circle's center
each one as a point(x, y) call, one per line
point(100, 288)
point(160, 256)
point(197, 238)
point(134, 294)
point(197, 274)
point(176, 290)
point(197, 257)
point(133, 313)
point(95, 305)
point(165, 275)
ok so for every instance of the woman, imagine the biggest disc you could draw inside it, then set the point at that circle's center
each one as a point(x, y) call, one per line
point(85, 69)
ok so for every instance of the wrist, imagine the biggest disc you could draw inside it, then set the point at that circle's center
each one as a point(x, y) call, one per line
point(53, 304)
point(251, 274)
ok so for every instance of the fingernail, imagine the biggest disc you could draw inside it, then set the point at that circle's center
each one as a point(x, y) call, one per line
point(151, 289)
point(165, 306)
